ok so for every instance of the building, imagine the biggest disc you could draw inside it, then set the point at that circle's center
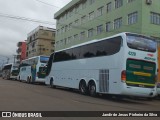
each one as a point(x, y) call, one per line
point(40, 41)
point(85, 20)
point(21, 51)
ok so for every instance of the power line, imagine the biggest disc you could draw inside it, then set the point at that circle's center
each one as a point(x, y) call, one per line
point(26, 19)
point(47, 3)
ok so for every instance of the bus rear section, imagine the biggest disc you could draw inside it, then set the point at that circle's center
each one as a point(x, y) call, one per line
point(158, 76)
point(10, 71)
point(140, 77)
point(40, 70)
point(140, 72)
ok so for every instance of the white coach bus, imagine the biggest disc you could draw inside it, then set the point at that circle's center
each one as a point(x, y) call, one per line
point(10, 71)
point(123, 64)
point(33, 69)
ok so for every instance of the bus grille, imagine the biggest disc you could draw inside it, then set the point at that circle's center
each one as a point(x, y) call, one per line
point(104, 80)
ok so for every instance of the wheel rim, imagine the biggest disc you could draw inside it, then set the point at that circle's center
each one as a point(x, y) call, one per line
point(83, 88)
point(92, 89)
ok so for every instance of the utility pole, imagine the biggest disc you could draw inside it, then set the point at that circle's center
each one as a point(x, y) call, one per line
point(14, 58)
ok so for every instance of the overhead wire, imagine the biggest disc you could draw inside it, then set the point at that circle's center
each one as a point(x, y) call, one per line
point(47, 4)
point(26, 19)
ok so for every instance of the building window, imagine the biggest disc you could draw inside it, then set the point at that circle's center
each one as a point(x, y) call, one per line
point(70, 26)
point(57, 43)
point(82, 35)
point(117, 23)
point(83, 19)
point(155, 18)
point(132, 18)
point(118, 3)
point(76, 37)
point(108, 26)
point(62, 30)
point(76, 9)
point(91, 2)
point(65, 41)
point(99, 29)
point(109, 6)
point(130, 1)
point(90, 32)
point(99, 11)
point(66, 28)
point(84, 5)
point(91, 15)
point(58, 32)
point(69, 39)
point(76, 22)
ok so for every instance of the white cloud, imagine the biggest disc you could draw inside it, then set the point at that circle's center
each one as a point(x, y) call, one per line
point(12, 30)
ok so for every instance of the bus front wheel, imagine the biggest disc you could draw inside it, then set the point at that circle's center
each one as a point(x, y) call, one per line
point(92, 89)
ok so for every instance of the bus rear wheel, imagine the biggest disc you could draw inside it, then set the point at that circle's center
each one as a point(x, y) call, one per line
point(83, 87)
point(28, 80)
point(92, 89)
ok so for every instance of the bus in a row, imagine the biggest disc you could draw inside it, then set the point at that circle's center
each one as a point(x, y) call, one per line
point(33, 70)
point(123, 64)
point(10, 71)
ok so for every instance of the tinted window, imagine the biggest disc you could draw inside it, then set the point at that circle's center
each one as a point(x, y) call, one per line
point(102, 48)
point(141, 43)
point(49, 64)
point(44, 59)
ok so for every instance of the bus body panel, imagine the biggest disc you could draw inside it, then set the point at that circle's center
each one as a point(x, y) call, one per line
point(24, 73)
point(105, 71)
point(32, 69)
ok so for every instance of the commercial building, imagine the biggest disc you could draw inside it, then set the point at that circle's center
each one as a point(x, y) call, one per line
point(85, 20)
point(21, 51)
point(40, 41)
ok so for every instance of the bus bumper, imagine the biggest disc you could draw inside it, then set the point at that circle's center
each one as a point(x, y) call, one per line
point(158, 91)
point(139, 91)
point(41, 80)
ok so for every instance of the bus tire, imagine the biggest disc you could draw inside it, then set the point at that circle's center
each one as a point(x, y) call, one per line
point(51, 83)
point(92, 89)
point(28, 80)
point(83, 87)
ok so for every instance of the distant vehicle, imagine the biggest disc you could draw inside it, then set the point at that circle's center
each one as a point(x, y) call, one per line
point(10, 71)
point(123, 64)
point(33, 69)
point(0, 73)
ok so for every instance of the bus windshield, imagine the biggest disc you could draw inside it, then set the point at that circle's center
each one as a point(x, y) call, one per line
point(141, 43)
point(15, 67)
point(44, 59)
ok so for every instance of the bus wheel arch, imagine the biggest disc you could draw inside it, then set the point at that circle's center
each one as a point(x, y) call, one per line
point(83, 87)
point(92, 88)
point(52, 82)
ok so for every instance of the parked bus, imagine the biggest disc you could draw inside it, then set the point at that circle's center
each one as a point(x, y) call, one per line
point(158, 79)
point(10, 71)
point(33, 69)
point(123, 64)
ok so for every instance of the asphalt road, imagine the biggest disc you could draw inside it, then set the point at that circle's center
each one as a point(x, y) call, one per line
point(19, 96)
